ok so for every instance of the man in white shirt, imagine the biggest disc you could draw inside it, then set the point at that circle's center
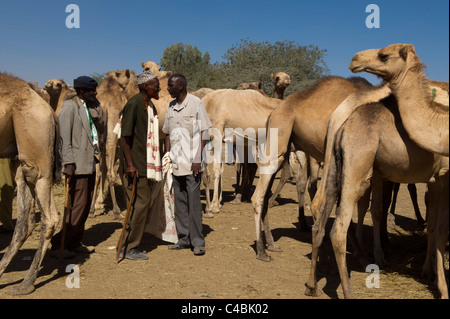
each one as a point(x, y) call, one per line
point(185, 123)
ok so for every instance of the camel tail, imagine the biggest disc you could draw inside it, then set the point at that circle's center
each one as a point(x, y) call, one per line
point(57, 161)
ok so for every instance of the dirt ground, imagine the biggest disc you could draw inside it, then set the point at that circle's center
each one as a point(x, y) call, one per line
point(229, 269)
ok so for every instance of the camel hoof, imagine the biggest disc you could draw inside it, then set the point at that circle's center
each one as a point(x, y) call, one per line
point(236, 201)
point(22, 290)
point(118, 216)
point(208, 215)
point(312, 292)
point(264, 257)
point(274, 248)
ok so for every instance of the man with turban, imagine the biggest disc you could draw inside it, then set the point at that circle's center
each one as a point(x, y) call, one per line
point(140, 160)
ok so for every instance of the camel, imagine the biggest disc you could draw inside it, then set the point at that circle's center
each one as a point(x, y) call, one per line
point(117, 87)
point(201, 93)
point(281, 81)
point(218, 106)
point(315, 104)
point(42, 93)
point(399, 65)
point(58, 91)
point(370, 147)
point(152, 66)
point(30, 135)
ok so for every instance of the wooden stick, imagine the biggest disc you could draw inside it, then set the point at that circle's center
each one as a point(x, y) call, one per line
point(125, 221)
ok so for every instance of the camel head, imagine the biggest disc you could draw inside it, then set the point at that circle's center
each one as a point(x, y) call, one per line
point(249, 86)
point(55, 86)
point(123, 77)
point(152, 66)
point(388, 63)
point(281, 80)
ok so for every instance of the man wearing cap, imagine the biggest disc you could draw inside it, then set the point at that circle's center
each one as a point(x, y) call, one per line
point(140, 160)
point(82, 120)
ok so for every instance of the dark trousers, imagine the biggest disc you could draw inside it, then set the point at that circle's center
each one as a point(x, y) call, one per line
point(188, 210)
point(139, 211)
point(81, 189)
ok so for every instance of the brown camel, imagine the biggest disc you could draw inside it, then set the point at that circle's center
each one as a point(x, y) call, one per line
point(425, 115)
point(58, 91)
point(315, 104)
point(117, 87)
point(370, 147)
point(399, 65)
point(30, 135)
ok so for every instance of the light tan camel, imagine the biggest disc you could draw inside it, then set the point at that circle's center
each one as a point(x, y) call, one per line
point(372, 145)
point(57, 90)
point(281, 81)
point(29, 131)
point(42, 93)
point(247, 171)
point(244, 110)
point(315, 104)
point(152, 66)
point(114, 91)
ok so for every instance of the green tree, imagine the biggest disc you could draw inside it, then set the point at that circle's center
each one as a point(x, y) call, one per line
point(189, 61)
point(250, 61)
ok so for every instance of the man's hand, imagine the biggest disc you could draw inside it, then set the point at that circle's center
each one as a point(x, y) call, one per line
point(131, 172)
point(69, 170)
point(196, 168)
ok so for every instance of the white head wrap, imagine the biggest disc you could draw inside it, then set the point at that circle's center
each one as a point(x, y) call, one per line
point(145, 77)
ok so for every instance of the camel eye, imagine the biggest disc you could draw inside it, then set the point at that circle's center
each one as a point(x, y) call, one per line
point(383, 57)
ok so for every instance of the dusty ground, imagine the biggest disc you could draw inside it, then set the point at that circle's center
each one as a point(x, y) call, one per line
point(229, 269)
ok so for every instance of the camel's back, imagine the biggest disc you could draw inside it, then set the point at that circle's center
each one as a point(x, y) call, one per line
point(239, 108)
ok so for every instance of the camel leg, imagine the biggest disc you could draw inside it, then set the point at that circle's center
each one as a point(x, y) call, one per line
point(432, 221)
point(413, 194)
point(205, 180)
point(111, 175)
point(338, 235)
point(301, 176)
point(377, 212)
point(284, 177)
point(22, 229)
point(318, 230)
point(265, 218)
point(217, 169)
point(258, 199)
point(441, 234)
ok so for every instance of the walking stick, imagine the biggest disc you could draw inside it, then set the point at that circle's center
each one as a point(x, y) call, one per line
point(125, 221)
point(63, 237)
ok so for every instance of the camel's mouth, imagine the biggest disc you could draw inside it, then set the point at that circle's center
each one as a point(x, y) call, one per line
point(356, 68)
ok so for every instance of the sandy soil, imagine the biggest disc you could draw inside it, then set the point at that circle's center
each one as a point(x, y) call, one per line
point(229, 269)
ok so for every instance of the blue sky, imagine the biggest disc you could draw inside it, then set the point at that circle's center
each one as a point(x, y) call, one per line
point(36, 45)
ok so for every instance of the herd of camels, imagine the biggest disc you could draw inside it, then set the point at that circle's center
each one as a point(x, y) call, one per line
point(366, 137)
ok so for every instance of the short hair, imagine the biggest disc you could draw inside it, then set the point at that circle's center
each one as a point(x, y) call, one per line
point(180, 77)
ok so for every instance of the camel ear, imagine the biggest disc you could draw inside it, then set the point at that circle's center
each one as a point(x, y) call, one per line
point(142, 63)
point(127, 73)
point(406, 50)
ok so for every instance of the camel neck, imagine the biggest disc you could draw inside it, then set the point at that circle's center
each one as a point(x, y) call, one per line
point(427, 127)
point(278, 93)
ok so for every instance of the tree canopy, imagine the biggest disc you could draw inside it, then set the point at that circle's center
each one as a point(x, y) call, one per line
point(248, 61)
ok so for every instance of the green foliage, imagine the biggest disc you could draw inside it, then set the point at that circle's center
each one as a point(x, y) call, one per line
point(187, 60)
point(248, 61)
point(98, 77)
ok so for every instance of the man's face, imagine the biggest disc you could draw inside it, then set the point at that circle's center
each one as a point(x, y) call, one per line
point(88, 95)
point(174, 87)
point(153, 89)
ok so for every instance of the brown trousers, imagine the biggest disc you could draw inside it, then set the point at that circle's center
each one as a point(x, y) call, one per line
point(81, 189)
point(139, 211)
